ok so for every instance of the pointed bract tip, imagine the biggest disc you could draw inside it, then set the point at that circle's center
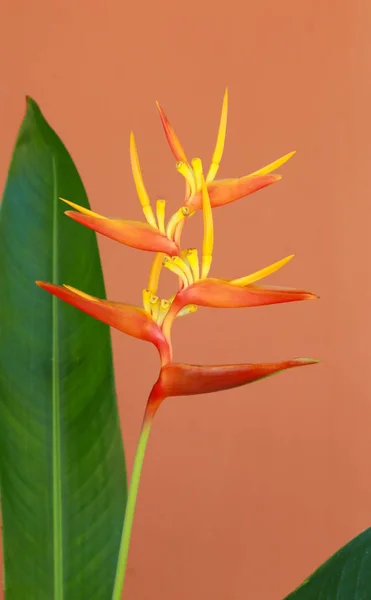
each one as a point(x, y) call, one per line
point(160, 109)
point(306, 361)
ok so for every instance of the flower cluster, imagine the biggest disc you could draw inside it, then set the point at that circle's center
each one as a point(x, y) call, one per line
point(195, 288)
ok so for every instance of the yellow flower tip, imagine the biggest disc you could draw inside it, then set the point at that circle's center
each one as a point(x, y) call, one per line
point(185, 170)
point(220, 141)
point(139, 183)
point(197, 166)
point(79, 292)
point(274, 165)
point(177, 217)
point(163, 310)
point(184, 266)
point(244, 281)
point(165, 304)
point(176, 266)
point(192, 258)
point(155, 307)
point(198, 171)
point(81, 209)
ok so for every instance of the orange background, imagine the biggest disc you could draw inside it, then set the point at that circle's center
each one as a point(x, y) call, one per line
point(245, 492)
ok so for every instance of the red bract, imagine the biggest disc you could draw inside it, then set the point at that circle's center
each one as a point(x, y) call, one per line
point(186, 380)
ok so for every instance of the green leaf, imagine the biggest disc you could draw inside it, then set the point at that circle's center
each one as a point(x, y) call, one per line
point(62, 468)
point(345, 576)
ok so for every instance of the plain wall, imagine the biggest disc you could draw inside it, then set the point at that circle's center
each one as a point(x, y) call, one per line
point(243, 493)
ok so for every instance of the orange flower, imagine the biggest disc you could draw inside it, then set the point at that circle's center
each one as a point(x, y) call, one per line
point(154, 321)
point(221, 191)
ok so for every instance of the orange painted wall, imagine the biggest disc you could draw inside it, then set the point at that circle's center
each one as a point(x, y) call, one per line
point(244, 492)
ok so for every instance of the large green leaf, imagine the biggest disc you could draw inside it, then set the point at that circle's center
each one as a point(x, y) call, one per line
point(62, 469)
point(345, 576)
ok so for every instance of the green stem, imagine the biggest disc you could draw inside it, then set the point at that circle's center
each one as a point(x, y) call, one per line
point(130, 508)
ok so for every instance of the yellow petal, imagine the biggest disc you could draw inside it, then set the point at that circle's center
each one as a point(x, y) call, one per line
point(155, 307)
point(160, 213)
point(175, 268)
point(139, 183)
point(243, 281)
point(184, 266)
point(185, 170)
point(192, 257)
point(274, 165)
point(208, 241)
point(81, 209)
point(80, 293)
point(154, 274)
point(164, 308)
point(219, 147)
point(177, 217)
point(197, 169)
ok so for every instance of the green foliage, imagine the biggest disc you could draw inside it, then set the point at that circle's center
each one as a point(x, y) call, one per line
point(62, 468)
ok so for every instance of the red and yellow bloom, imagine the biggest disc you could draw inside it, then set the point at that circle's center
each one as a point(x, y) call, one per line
point(153, 322)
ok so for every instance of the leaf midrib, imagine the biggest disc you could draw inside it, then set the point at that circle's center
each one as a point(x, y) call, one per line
point(56, 421)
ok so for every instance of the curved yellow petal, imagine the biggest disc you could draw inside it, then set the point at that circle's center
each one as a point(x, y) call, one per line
point(176, 218)
point(273, 166)
point(208, 241)
point(139, 183)
point(160, 213)
point(185, 170)
point(243, 281)
point(81, 209)
point(219, 147)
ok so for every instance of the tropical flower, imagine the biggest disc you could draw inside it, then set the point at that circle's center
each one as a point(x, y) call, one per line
point(222, 191)
point(153, 322)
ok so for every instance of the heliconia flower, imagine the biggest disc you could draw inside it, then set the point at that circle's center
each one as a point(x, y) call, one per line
point(177, 379)
point(222, 191)
point(136, 234)
point(127, 318)
point(195, 288)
